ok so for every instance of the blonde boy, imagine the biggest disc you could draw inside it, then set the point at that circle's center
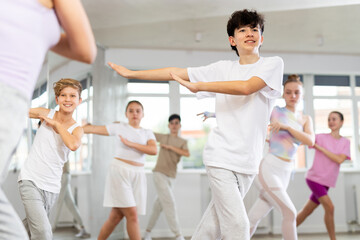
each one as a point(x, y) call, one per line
point(40, 177)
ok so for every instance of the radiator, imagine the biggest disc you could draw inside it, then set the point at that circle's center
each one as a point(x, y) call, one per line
point(356, 189)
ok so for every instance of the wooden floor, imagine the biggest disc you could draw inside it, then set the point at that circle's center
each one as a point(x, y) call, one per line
point(69, 234)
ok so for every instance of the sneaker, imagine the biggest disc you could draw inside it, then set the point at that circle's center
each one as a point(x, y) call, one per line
point(83, 234)
point(180, 238)
point(147, 236)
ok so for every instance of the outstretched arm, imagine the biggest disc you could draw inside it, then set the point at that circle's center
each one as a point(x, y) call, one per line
point(78, 41)
point(38, 112)
point(181, 152)
point(161, 74)
point(247, 87)
point(306, 137)
point(149, 148)
point(71, 140)
point(338, 158)
point(94, 129)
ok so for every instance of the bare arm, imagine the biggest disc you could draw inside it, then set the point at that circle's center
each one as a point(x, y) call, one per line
point(94, 129)
point(78, 41)
point(338, 158)
point(247, 87)
point(71, 140)
point(149, 148)
point(181, 152)
point(306, 137)
point(161, 74)
point(38, 112)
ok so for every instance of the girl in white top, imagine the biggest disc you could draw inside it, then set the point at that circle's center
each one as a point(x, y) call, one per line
point(40, 177)
point(125, 188)
point(289, 129)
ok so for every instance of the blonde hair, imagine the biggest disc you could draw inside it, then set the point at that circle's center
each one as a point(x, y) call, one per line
point(67, 82)
point(293, 78)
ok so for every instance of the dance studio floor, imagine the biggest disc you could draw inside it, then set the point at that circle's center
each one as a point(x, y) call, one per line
point(68, 234)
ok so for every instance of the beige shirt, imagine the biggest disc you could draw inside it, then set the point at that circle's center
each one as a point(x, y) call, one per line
point(167, 159)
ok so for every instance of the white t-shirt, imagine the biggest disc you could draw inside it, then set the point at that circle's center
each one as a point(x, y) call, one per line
point(46, 159)
point(137, 135)
point(238, 140)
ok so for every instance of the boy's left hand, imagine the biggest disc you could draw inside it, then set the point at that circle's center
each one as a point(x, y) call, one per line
point(125, 141)
point(50, 122)
point(193, 87)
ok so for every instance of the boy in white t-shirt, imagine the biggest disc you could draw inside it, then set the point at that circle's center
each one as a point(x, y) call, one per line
point(245, 92)
point(40, 177)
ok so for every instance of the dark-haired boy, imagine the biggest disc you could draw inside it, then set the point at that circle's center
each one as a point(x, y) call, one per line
point(245, 92)
point(164, 173)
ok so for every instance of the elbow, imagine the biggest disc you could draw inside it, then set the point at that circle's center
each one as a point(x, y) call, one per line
point(244, 90)
point(311, 143)
point(89, 56)
point(153, 151)
point(86, 54)
point(74, 147)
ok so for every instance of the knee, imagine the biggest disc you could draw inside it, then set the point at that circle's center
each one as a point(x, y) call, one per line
point(115, 218)
point(329, 208)
point(289, 214)
point(132, 217)
point(42, 233)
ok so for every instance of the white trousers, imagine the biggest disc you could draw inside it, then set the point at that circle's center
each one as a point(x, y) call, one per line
point(225, 218)
point(165, 201)
point(13, 112)
point(272, 182)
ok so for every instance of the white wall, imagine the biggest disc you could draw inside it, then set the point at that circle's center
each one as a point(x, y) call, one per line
point(191, 188)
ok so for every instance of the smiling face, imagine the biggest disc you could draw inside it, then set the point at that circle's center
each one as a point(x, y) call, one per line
point(292, 94)
point(247, 39)
point(334, 121)
point(68, 99)
point(134, 113)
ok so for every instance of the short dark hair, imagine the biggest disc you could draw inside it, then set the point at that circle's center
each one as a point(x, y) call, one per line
point(340, 115)
point(244, 18)
point(174, 116)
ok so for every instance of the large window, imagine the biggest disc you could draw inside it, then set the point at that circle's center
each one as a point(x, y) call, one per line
point(154, 96)
point(334, 93)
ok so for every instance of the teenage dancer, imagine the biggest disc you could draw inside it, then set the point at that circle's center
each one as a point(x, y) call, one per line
point(28, 30)
point(66, 196)
point(330, 151)
point(125, 188)
point(245, 92)
point(164, 173)
point(288, 129)
point(39, 178)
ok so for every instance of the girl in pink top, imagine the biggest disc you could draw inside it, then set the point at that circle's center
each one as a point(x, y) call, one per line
point(331, 150)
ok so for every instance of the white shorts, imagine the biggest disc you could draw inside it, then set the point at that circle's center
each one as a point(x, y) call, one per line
point(125, 187)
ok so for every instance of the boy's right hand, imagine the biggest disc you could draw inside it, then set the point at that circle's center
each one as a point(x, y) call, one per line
point(206, 115)
point(122, 71)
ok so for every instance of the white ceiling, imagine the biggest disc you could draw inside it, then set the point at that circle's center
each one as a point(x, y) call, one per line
point(307, 26)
